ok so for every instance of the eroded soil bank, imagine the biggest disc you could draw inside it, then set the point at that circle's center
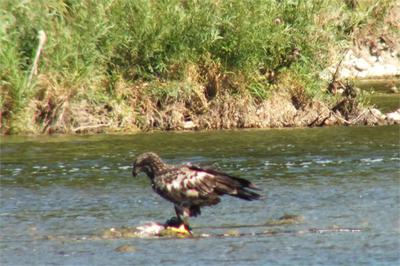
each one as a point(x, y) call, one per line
point(282, 109)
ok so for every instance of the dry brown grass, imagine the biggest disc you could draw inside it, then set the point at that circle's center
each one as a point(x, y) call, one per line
point(58, 114)
point(206, 99)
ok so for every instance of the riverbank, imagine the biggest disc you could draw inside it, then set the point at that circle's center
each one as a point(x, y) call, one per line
point(283, 108)
point(187, 66)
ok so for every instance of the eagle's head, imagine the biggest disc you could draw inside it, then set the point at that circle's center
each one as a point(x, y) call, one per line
point(149, 163)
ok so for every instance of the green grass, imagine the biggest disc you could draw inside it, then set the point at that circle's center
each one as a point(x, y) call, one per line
point(92, 45)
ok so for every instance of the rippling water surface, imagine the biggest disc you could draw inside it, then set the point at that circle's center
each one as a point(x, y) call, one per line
point(55, 191)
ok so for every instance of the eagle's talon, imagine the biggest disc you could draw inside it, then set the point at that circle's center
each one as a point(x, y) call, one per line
point(173, 222)
point(177, 223)
point(183, 229)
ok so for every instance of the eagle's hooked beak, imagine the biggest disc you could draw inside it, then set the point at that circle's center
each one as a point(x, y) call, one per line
point(135, 170)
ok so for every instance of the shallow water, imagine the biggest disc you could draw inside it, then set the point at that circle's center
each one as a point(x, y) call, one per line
point(381, 95)
point(56, 192)
point(385, 102)
point(378, 85)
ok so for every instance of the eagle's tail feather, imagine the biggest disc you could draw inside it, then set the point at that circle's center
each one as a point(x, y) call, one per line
point(247, 194)
point(236, 187)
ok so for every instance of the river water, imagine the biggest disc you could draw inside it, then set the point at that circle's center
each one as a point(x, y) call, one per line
point(343, 182)
point(380, 93)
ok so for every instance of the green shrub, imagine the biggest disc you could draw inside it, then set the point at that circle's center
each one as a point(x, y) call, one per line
point(93, 44)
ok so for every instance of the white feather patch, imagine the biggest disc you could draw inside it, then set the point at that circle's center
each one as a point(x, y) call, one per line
point(177, 183)
point(200, 175)
point(183, 179)
point(192, 193)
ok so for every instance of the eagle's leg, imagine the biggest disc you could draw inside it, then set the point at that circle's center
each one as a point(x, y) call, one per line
point(181, 220)
point(185, 219)
point(179, 213)
point(176, 221)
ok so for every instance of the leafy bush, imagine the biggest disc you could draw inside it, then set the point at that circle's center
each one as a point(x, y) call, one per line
point(93, 44)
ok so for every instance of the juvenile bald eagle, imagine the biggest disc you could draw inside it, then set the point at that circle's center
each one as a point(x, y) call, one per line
point(190, 187)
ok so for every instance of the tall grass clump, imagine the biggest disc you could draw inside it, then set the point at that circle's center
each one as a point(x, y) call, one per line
point(94, 46)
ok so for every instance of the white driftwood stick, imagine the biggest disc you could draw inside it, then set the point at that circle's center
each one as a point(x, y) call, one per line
point(42, 39)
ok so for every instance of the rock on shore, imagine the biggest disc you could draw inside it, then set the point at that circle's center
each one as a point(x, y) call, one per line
point(375, 59)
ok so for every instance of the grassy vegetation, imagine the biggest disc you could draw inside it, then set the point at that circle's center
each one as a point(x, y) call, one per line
point(116, 52)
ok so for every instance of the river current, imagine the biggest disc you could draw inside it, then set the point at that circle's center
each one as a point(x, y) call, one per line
point(343, 183)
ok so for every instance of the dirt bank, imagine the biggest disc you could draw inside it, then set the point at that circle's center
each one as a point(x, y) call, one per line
point(284, 108)
point(281, 110)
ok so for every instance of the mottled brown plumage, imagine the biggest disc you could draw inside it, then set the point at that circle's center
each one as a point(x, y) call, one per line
point(190, 187)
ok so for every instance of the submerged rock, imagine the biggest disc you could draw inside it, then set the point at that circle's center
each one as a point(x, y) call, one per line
point(115, 233)
point(232, 232)
point(145, 231)
point(287, 219)
point(125, 249)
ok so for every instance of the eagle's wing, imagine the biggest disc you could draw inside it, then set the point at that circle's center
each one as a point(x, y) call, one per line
point(212, 183)
point(192, 185)
point(182, 184)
